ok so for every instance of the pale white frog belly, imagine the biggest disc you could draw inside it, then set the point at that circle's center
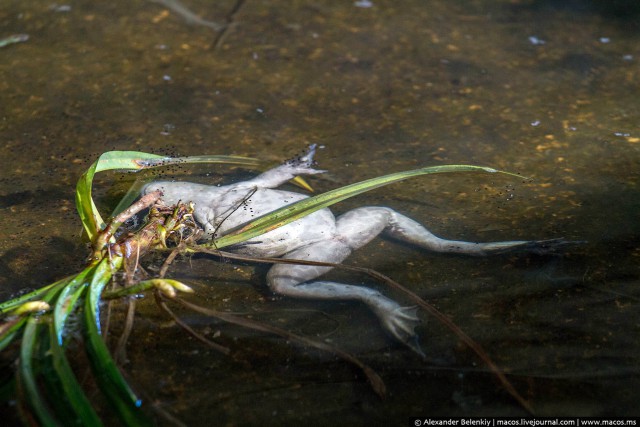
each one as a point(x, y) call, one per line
point(231, 210)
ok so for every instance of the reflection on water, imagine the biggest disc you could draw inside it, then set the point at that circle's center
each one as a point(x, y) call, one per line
point(543, 88)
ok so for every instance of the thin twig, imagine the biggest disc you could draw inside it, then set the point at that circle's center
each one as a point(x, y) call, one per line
point(222, 35)
point(233, 209)
point(374, 379)
point(167, 262)
point(143, 203)
point(157, 406)
point(164, 307)
point(106, 234)
point(120, 353)
point(470, 342)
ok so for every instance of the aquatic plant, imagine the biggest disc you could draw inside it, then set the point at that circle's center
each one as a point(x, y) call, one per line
point(37, 326)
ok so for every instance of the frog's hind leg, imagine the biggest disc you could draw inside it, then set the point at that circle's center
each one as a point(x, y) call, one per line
point(363, 224)
point(354, 229)
point(297, 281)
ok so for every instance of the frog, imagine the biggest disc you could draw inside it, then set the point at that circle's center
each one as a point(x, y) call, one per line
point(319, 236)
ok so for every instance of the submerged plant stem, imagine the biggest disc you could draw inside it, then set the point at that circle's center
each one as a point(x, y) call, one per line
point(120, 353)
point(429, 308)
point(374, 379)
point(164, 307)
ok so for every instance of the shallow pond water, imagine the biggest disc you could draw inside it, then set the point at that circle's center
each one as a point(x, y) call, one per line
point(544, 88)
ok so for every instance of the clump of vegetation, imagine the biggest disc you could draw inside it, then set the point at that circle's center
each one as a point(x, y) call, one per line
point(37, 326)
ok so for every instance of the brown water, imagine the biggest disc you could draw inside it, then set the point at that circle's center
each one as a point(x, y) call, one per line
point(544, 88)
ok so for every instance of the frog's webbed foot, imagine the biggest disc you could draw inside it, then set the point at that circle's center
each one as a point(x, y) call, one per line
point(400, 322)
point(303, 164)
point(298, 281)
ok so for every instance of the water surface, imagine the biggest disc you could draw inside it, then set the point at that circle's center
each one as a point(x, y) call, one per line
point(544, 88)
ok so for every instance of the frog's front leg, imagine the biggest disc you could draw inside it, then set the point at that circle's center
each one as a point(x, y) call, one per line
point(297, 281)
point(301, 165)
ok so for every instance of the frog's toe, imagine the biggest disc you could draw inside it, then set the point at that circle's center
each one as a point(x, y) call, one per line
point(539, 247)
point(401, 322)
point(306, 159)
point(303, 164)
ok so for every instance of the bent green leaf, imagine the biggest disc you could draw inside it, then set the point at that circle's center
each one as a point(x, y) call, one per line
point(304, 207)
point(133, 161)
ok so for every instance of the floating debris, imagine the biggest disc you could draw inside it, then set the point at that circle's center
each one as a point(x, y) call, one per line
point(15, 38)
point(60, 7)
point(167, 128)
point(365, 4)
point(536, 41)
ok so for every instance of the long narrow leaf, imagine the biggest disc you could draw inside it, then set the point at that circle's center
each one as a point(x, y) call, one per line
point(16, 302)
point(66, 302)
point(69, 386)
point(53, 369)
point(27, 384)
point(34, 349)
point(70, 390)
point(50, 380)
point(304, 207)
point(109, 378)
point(127, 160)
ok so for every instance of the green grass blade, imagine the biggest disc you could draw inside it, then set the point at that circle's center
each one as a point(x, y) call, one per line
point(227, 160)
point(126, 160)
point(66, 301)
point(11, 328)
point(27, 384)
point(71, 392)
point(50, 380)
point(38, 293)
point(304, 207)
point(68, 386)
point(38, 358)
point(166, 286)
point(108, 377)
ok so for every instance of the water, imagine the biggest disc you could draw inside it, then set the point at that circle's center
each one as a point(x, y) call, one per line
point(543, 88)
